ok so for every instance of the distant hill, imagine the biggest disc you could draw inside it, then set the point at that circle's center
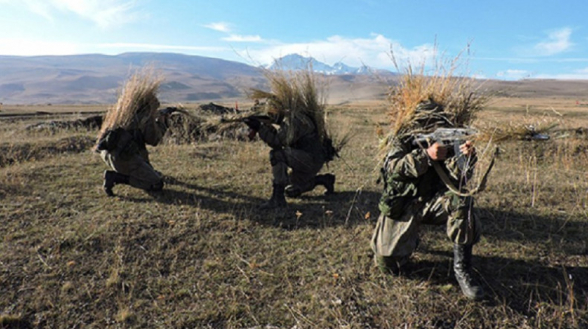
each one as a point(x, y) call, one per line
point(91, 79)
point(96, 79)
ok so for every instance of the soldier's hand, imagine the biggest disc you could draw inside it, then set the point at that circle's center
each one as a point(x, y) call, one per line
point(467, 148)
point(437, 152)
point(251, 134)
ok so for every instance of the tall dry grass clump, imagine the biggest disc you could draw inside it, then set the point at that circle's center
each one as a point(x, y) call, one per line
point(137, 102)
point(295, 94)
point(421, 101)
point(457, 96)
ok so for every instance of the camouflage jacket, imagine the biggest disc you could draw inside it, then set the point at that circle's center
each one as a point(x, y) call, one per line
point(125, 143)
point(297, 133)
point(408, 175)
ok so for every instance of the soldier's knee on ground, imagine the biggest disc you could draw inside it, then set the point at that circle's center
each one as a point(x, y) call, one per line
point(388, 265)
point(156, 187)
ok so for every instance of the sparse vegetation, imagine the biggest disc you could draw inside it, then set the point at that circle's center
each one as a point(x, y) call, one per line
point(200, 255)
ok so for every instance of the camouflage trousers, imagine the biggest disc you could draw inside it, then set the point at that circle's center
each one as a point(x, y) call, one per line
point(141, 173)
point(394, 240)
point(304, 168)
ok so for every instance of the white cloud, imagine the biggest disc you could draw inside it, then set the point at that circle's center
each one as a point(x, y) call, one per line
point(373, 52)
point(219, 26)
point(557, 42)
point(513, 74)
point(105, 13)
point(243, 38)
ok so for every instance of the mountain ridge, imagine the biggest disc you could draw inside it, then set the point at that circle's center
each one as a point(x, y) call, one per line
point(97, 79)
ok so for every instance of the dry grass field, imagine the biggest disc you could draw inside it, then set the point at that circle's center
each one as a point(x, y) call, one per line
point(200, 254)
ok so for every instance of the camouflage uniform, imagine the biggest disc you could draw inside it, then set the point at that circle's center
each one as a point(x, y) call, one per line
point(295, 144)
point(126, 153)
point(414, 194)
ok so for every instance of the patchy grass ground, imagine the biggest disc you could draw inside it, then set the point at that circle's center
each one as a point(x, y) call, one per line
point(200, 255)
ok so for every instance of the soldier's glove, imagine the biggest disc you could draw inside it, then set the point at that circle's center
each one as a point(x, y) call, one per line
point(252, 123)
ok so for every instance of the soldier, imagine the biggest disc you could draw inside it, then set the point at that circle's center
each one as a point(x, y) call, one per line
point(300, 143)
point(415, 193)
point(297, 144)
point(131, 124)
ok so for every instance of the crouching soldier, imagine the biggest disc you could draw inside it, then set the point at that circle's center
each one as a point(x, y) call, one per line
point(128, 126)
point(296, 145)
point(417, 180)
point(300, 143)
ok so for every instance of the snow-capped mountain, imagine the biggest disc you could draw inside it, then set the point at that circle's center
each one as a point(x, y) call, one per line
point(298, 62)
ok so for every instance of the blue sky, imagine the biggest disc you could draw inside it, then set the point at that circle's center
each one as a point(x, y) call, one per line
point(507, 39)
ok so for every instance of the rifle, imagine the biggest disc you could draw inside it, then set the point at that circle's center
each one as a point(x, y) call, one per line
point(446, 137)
point(259, 117)
point(248, 119)
point(455, 136)
point(168, 111)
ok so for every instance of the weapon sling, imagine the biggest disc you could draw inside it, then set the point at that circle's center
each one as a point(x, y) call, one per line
point(455, 190)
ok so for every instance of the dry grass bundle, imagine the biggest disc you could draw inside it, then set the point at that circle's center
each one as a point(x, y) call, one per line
point(420, 102)
point(297, 94)
point(137, 102)
point(456, 95)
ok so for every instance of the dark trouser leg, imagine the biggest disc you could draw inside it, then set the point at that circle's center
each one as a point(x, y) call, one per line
point(278, 200)
point(462, 265)
point(280, 180)
point(112, 178)
point(393, 241)
point(326, 180)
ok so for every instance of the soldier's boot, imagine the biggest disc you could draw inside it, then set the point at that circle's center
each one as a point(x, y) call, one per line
point(293, 191)
point(278, 200)
point(112, 178)
point(462, 265)
point(326, 180)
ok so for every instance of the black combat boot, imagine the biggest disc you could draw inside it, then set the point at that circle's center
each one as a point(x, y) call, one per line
point(326, 180)
point(278, 200)
point(112, 178)
point(462, 265)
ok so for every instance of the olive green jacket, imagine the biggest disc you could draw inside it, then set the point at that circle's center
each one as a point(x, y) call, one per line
point(408, 175)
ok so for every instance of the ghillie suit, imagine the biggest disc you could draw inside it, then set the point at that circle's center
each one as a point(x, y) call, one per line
point(417, 188)
point(301, 143)
point(128, 126)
